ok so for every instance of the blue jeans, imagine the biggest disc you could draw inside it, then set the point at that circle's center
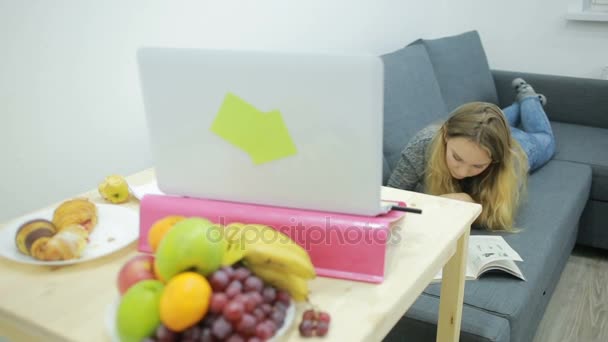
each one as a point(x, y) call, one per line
point(530, 127)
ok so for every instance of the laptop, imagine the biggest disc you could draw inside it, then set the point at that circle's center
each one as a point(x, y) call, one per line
point(290, 129)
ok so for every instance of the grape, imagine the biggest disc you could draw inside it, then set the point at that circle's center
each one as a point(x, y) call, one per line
point(192, 334)
point(259, 314)
point(254, 339)
point(235, 338)
point(229, 271)
point(269, 294)
point(309, 315)
point(219, 280)
point(206, 335)
point(266, 308)
point(253, 283)
point(234, 288)
point(233, 311)
point(280, 306)
point(221, 328)
point(283, 297)
point(256, 297)
point(218, 302)
point(208, 320)
point(249, 303)
point(265, 330)
point(322, 328)
point(277, 317)
point(324, 317)
point(246, 325)
point(243, 299)
point(241, 274)
point(306, 328)
point(164, 334)
point(272, 325)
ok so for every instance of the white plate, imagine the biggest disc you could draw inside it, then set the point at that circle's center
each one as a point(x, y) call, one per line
point(116, 228)
point(112, 309)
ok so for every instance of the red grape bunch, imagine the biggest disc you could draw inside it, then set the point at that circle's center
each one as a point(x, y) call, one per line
point(314, 323)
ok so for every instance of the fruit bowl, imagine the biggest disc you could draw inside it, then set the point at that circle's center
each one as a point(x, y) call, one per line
point(112, 309)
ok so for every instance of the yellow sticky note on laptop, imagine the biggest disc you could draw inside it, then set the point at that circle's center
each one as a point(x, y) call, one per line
point(234, 122)
point(264, 136)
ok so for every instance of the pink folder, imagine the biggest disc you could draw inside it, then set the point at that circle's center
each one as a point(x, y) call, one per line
point(340, 245)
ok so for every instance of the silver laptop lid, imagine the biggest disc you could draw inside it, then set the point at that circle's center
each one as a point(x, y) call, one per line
point(298, 130)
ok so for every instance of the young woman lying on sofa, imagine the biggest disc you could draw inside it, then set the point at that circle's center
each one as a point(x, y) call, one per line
point(480, 155)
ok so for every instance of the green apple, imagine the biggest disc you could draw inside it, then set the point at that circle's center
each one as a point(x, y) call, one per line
point(138, 313)
point(193, 244)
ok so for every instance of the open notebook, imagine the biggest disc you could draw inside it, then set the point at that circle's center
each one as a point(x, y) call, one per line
point(489, 253)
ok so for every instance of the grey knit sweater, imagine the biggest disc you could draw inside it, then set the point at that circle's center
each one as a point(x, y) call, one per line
point(408, 174)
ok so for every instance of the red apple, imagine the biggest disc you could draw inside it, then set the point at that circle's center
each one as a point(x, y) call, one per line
point(138, 268)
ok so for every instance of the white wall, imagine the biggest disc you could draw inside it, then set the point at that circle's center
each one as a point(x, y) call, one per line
point(534, 36)
point(69, 94)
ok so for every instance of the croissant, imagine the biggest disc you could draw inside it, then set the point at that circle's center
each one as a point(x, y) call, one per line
point(67, 244)
point(33, 233)
point(76, 211)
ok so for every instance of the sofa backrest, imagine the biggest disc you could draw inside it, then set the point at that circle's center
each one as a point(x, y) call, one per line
point(461, 68)
point(412, 98)
point(426, 80)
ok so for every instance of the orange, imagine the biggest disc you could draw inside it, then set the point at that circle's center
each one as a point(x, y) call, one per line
point(185, 301)
point(160, 228)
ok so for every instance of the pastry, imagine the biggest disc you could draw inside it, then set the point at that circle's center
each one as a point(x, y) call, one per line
point(76, 211)
point(62, 239)
point(33, 233)
point(67, 244)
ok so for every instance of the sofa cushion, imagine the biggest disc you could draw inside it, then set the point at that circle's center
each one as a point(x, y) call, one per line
point(548, 221)
point(593, 230)
point(419, 324)
point(461, 68)
point(588, 145)
point(412, 98)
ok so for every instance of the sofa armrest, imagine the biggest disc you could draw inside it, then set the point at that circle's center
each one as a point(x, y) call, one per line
point(575, 100)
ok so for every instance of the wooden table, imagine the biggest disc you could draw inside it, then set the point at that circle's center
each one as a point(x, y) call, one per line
point(69, 303)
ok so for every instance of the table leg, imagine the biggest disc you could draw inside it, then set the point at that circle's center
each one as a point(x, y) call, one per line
point(452, 292)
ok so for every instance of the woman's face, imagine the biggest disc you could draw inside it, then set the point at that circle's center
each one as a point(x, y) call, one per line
point(465, 158)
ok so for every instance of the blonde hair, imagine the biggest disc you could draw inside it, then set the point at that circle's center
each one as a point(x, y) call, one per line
point(499, 187)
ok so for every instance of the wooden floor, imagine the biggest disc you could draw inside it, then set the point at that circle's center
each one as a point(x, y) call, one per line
point(578, 309)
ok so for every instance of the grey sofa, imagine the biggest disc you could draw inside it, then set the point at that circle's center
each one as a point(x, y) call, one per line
point(567, 199)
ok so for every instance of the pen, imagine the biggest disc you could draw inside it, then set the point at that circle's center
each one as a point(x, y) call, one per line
point(407, 209)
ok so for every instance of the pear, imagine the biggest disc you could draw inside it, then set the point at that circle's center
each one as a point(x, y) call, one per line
point(193, 244)
point(138, 313)
point(114, 189)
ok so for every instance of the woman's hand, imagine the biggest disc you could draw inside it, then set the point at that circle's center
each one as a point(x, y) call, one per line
point(461, 196)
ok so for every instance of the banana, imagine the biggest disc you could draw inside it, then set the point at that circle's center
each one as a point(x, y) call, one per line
point(280, 259)
point(257, 234)
point(233, 253)
point(296, 286)
point(268, 247)
point(232, 231)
